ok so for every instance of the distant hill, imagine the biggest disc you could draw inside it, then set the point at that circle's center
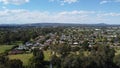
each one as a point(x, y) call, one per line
point(62, 24)
point(55, 25)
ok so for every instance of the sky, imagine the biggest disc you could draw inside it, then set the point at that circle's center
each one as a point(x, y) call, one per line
point(59, 11)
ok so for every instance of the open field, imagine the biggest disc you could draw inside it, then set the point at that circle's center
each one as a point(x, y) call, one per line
point(3, 48)
point(23, 57)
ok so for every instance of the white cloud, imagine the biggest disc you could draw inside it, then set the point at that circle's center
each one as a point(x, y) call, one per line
point(25, 16)
point(109, 14)
point(109, 1)
point(75, 12)
point(64, 1)
point(3, 7)
point(103, 2)
point(51, 0)
point(69, 1)
point(15, 2)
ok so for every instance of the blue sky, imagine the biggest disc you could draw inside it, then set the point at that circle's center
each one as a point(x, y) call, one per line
point(59, 11)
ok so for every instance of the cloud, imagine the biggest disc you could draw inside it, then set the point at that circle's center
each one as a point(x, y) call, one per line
point(15, 2)
point(69, 1)
point(109, 14)
point(103, 2)
point(3, 7)
point(109, 1)
point(22, 16)
point(75, 12)
point(64, 1)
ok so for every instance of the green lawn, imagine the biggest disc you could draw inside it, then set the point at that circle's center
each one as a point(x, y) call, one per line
point(17, 43)
point(5, 47)
point(117, 51)
point(47, 55)
point(23, 57)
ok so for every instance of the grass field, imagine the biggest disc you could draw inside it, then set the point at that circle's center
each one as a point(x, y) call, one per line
point(47, 55)
point(5, 47)
point(117, 52)
point(23, 57)
point(17, 43)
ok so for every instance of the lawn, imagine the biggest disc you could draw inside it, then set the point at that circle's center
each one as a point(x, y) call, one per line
point(117, 51)
point(23, 57)
point(47, 55)
point(17, 43)
point(3, 48)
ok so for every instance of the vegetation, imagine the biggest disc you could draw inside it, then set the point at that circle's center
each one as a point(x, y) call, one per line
point(47, 55)
point(3, 48)
point(23, 57)
point(60, 47)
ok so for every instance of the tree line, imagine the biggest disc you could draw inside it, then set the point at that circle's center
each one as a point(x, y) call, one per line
point(10, 36)
point(100, 56)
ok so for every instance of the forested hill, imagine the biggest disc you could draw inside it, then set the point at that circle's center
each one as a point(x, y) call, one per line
point(54, 25)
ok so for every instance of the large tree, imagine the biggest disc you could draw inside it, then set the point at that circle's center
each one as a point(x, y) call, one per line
point(16, 63)
point(37, 60)
point(103, 56)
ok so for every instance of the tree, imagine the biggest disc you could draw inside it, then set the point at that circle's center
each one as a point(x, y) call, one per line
point(71, 61)
point(2, 66)
point(38, 59)
point(103, 57)
point(63, 49)
point(15, 63)
point(56, 61)
point(117, 60)
point(3, 59)
point(38, 54)
point(85, 45)
point(88, 62)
